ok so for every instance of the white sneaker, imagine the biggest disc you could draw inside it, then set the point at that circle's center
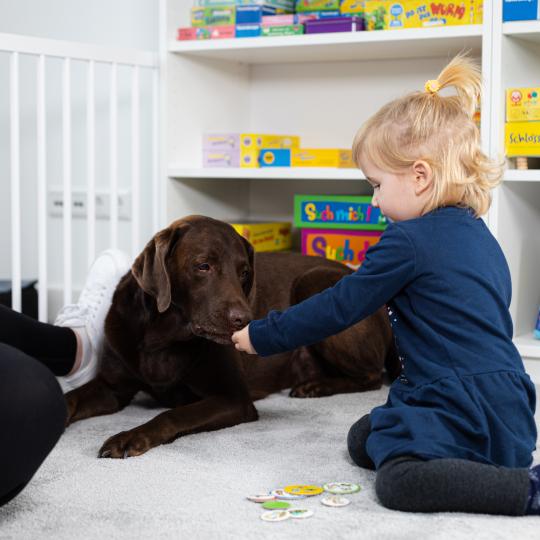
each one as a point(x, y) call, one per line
point(87, 316)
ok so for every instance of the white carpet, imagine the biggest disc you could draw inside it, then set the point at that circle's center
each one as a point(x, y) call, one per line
point(197, 485)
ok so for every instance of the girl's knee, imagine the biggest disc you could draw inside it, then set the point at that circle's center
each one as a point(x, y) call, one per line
point(356, 443)
point(32, 392)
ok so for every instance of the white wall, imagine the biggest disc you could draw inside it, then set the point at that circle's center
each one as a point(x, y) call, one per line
point(114, 23)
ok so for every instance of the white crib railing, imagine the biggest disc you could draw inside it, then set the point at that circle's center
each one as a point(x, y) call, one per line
point(16, 47)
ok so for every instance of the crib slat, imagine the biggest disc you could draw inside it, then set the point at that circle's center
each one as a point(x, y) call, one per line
point(66, 166)
point(15, 183)
point(135, 162)
point(113, 161)
point(156, 191)
point(91, 161)
point(42, 190)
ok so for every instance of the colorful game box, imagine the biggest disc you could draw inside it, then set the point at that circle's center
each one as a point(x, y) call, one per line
point(272, 236)
point(253, 14)
point(191, 33)
point(523, 104)
point(249, 158)
point(355, 7)
point(213, 16)
point(346, 246)
point(231, 158)
point(389, 15)
point(316, 5)
point(248, 141)
point(275, 157)
point(286, 20)
point(282, 30)
point(248, 30)
point(522, 139)
point(521, 10)
point(287, 5)
point(337, 212)
point(336, 24)
point(322, 157)
point(321, 14)
point(221, 158)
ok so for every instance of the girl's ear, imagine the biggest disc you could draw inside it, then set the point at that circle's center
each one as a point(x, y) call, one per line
point(423, 176)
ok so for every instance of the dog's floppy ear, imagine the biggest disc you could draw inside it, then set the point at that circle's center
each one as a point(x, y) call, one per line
point(251, 257)
point(150, 267)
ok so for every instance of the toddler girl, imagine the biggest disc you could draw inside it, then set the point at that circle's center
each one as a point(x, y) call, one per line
point(457, 431)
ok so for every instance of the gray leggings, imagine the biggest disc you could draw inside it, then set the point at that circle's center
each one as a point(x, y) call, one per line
point(410, 484)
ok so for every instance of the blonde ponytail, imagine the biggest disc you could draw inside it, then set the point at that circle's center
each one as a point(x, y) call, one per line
point(440, 130)
point(465, 76)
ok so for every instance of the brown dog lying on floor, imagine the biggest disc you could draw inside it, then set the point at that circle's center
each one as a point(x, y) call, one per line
point(168, 333)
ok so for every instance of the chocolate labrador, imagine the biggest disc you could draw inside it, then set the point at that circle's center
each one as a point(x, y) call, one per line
point(168, 333)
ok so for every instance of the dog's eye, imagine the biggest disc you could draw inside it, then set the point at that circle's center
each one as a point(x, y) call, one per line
point(204, 267)
point(244, 274)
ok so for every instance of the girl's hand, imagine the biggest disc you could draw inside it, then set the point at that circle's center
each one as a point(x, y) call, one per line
point(242, 342)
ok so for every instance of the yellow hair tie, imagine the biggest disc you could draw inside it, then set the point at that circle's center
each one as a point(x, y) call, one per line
point(432, 86)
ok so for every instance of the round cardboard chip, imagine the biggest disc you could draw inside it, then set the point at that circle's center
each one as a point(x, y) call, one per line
point(276, 515)
point(276, 505)
point(261, 497)
point(335, 500)
point(341, 488)
point(300, 513)
point(300, 489)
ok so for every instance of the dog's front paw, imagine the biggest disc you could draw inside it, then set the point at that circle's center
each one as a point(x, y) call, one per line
point(126, 444)
point(311, 389)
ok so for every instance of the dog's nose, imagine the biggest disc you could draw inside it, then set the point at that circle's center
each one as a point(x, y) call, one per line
point(238, 318)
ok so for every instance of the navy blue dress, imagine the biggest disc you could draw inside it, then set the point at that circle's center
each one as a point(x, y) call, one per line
point(463, 391)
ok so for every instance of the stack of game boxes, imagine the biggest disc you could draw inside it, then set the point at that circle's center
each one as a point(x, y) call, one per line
point(242, 149)
point(338, 227)
point(522, 129)
point(252, 150)
point(217, 19)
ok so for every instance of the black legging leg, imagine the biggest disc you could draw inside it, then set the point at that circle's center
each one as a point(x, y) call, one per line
point(54, 346)
point(32, 418)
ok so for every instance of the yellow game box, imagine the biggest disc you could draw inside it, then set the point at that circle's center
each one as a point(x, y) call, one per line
point(522, 139)
point(390, 15)
point(322, 157)
point(523, 104)
point(249, 141)
point(270, 236)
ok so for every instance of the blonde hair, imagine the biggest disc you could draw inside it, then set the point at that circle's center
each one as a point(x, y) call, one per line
point(439, 130)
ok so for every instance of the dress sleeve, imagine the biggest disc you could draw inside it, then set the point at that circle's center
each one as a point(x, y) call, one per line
point(388, 267)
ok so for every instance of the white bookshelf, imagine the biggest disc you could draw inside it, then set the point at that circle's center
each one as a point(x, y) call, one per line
point(515, 175)
point(323, 87)
point(270, 173)
point(409, 43)
point(515, 214)
point(526, 30)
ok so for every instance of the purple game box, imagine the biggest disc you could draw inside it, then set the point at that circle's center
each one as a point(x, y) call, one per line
point(339, 24)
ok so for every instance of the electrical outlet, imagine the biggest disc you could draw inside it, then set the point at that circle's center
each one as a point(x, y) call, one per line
point(79, 204)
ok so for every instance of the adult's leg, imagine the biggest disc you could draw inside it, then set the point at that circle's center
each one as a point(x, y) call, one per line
point(452, 485)
point(54, 346)
point(356, 443)
point(32, 418)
